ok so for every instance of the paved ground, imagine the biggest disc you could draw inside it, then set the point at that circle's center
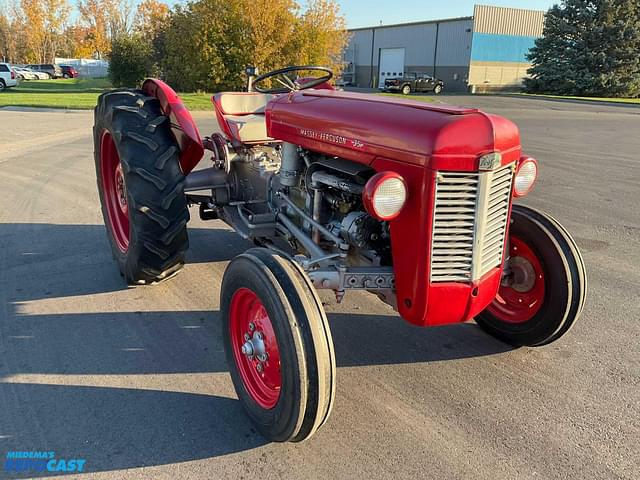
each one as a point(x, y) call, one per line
point(135, 378)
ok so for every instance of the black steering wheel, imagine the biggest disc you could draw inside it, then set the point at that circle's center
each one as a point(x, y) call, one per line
point(291, 83)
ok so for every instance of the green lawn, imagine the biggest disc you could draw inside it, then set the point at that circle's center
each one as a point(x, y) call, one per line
point(75, 94)
point(82, 94)
point(592, 99)
point(419, 98)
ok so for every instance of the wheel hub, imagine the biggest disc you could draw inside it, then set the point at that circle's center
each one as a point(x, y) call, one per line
point(121, 190)
point(522, 275)
point(522, 290)
point(255, 348)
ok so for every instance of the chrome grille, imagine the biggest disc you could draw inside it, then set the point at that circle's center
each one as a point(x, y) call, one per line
point(469, 223)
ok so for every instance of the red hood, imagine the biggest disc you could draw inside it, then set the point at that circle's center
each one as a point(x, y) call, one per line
point(362, 127)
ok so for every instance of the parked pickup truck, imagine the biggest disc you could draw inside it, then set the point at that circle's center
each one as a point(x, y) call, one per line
point(413, 82)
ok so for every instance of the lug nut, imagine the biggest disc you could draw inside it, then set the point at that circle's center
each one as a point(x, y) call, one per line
point(247, 337)
point(247, 349)
point(252, 326)
point(259, 368)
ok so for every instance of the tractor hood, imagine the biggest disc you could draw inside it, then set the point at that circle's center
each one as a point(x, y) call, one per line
point(363, 127)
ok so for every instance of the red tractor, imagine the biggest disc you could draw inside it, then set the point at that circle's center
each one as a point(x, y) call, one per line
point(341, 191)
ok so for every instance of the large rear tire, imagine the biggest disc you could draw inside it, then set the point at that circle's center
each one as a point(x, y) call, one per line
point(278, 345)
point(546, 292)
point(141, 186)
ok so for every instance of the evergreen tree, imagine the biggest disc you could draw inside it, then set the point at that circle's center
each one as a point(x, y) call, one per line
point(620, 57)
point(589, 47)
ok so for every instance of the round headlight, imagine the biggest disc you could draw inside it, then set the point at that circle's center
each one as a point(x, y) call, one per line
point(384, 195)
point(526, 175)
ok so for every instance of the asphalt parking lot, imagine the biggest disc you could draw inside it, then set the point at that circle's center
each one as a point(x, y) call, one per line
point(134, 380)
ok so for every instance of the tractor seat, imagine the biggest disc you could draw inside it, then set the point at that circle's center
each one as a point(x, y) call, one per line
point(241, 116)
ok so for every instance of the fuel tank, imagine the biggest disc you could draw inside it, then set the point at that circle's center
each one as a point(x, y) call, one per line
point(361, 127)
point(424, 143)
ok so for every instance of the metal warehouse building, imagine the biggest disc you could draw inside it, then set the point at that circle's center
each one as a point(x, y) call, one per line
point(479, 53)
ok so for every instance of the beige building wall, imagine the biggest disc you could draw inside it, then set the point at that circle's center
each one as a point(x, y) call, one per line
point(488, 76)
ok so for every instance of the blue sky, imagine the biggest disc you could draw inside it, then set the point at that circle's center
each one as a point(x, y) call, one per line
point(364, 13)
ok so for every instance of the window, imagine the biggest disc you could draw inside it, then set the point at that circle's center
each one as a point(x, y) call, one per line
point(4, 68)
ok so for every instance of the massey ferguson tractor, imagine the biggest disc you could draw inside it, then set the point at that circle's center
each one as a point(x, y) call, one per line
point(412, 202)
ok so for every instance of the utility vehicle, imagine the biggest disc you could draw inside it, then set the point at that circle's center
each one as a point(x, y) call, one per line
point(342, 191)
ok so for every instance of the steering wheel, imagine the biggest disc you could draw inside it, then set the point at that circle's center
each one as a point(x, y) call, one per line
point(290, 84)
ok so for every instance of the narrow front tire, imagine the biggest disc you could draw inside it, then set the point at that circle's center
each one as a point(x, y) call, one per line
point(278, 345)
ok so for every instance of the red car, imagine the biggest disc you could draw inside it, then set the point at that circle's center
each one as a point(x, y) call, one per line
point(68, 71)
point(338, 191)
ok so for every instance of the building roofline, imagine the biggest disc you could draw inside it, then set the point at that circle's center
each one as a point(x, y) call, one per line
point(529, 10)
point(422, 22)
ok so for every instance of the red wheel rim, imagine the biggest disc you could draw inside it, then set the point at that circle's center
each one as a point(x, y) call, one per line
point(522, 299)
point(255, 348)
point(114, 191)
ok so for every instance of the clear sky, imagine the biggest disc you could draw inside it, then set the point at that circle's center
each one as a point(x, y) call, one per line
point(365, 13)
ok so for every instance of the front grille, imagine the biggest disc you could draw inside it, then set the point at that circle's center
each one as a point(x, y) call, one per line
point(469, 223)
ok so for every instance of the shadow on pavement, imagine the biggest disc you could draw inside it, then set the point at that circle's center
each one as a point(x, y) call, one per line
point(169, 342)
point(118, 428)
point(76, 259)
point(115, 428)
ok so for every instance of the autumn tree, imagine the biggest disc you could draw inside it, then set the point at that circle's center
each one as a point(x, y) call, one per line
point(78, 42)
point(94, 17)
point(151, 18)
point(105, 19)
point(13, 45)
point(5, 37)
point(45, 21)
point(320, 36)
point(208, 43)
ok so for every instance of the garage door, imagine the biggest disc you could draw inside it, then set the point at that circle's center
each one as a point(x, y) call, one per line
point(391, 63)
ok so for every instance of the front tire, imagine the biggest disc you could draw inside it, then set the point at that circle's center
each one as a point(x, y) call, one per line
point(278, 345)
point(406, 89)
point(437, 89)
point(546, 292)
point(140, 185)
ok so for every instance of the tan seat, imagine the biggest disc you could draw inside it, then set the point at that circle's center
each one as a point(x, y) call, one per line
point(242, 115)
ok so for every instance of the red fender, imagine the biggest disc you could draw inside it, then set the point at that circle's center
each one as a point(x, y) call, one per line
point(182, 124)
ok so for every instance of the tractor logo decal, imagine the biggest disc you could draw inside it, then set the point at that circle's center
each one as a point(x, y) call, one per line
point(330, 137)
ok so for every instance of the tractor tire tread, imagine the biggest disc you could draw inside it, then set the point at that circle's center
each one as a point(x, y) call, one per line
point(158, 211)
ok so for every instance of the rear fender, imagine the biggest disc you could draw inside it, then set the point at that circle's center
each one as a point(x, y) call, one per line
point(182, 125)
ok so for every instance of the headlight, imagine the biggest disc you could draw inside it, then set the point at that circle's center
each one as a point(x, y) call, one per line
point(384, 195)
point(526, 175)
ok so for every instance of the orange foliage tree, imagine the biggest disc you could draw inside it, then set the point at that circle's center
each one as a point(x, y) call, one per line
point(44, 21)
